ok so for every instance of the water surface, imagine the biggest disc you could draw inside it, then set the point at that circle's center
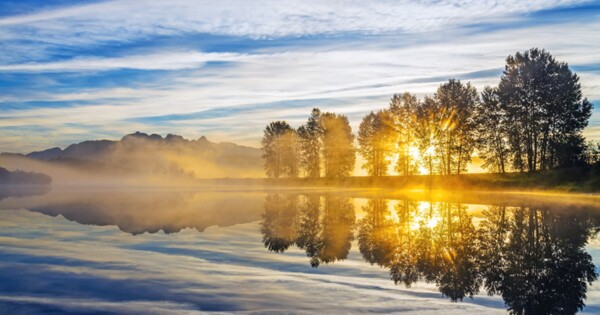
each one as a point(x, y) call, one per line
point(181, 251)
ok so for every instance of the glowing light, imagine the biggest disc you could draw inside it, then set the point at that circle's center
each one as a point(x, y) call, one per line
point(424, 218)
point(433, 222)
point(414, 154)
point(430, 151)
point(392, 216)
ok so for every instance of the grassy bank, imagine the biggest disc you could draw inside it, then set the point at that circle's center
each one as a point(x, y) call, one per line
point(566, 180)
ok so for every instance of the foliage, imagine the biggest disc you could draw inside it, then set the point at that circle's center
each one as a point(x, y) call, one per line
point(310, 144)
point(375, 138)
point(545, 110)
point(338, 145)
point(533, 120)
point(280, 150)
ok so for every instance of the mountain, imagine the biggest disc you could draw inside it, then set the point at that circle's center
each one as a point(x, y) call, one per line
point(153, 155)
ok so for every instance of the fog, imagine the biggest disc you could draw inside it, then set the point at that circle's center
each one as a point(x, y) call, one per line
point(142, 160)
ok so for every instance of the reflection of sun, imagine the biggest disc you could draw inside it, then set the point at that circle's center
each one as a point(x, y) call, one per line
point(424, 217)
point(392, 216)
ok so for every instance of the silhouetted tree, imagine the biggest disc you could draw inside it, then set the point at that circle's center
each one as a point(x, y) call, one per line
point(280, 150)
point(338, 145)
point(375, 139)
point(456, 104)
point(403, 109)
point(428, 131)
point(310, 144)
point(543, 102)
point(492, 132)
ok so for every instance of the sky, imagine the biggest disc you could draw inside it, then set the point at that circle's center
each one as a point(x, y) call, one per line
point(78, 70)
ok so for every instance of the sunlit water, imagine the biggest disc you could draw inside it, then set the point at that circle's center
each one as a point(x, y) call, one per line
point(171, 252)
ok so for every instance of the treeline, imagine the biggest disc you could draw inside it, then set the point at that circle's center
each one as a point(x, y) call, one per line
point(532, 120)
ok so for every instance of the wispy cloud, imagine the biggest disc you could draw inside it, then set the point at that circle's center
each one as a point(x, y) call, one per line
point(105, 69)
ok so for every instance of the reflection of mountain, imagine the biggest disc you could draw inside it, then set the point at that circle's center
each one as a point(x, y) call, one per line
point(23, 178)
point(147, 211)
point(140, 153)
point(20, 191)
point(534, 257)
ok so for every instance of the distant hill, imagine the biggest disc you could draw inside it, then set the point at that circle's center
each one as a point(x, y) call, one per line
point(141, 153)
point(23, 178)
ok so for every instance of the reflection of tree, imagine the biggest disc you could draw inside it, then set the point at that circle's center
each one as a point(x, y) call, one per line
point(309, 228)
point(337, 229)
point(324, 233)
point(278, 228)
point(536, 259)
point(448, 253)
point(376, 234)
point(404, 264)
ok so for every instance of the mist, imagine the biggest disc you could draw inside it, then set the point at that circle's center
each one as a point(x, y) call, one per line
point(140, 160)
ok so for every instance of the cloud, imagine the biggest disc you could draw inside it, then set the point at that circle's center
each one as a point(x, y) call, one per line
point(268, 18)
point(229, 94)
point(157, 61)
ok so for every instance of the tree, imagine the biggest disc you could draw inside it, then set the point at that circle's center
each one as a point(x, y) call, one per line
point(492, 132)
point(428, 130)
point(310, 144)
point(543, 102)
point(338, 145)
point(456, 104)
point(375, 138)
point(403, 109)
point(280, 150)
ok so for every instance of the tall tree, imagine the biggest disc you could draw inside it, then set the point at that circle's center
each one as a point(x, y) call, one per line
point(375, 138)
point(310, 144)
point(492, 132)
point(428, 131)
point(338, 145)
point(543, 101)
point(280, 150)
point(456, 104)
point(403, 109)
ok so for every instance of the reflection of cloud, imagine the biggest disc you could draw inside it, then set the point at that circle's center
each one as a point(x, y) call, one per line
point(87, 305)
point(223, 269)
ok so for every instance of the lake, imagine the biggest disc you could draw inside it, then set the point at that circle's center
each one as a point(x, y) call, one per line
point(147, 251)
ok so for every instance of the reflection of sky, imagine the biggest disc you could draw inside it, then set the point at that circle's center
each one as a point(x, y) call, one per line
point(51, 264)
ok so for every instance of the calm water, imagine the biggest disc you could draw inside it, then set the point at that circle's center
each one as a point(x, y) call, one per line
point(172, 252)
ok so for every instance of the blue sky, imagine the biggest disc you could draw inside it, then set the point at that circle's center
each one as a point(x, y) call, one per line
point(77, 70)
